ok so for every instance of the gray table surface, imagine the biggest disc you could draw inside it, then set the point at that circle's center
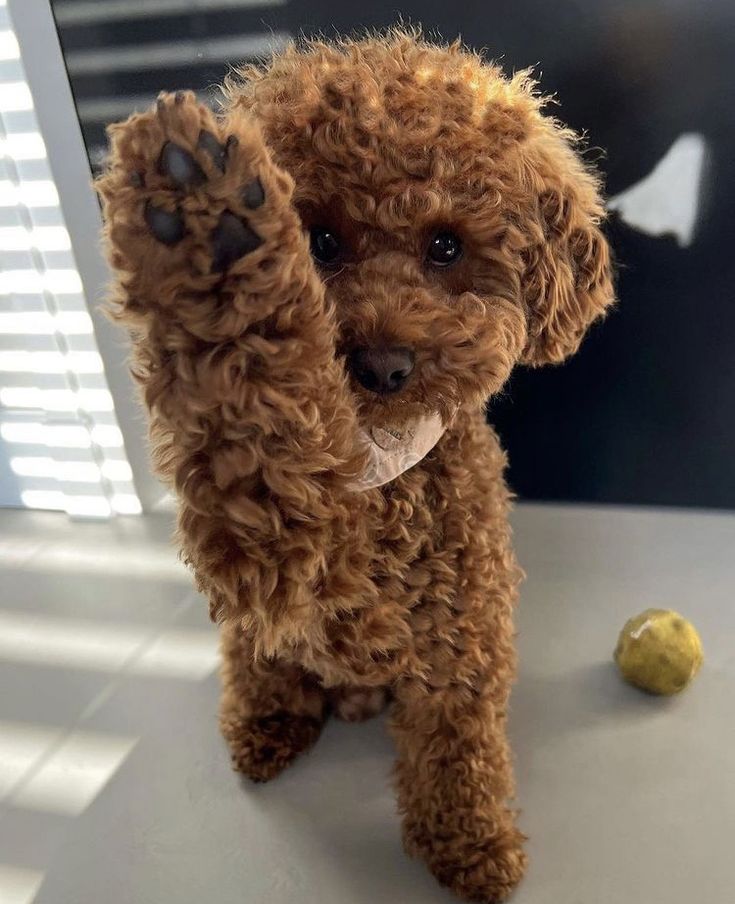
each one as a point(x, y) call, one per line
point(115, 786)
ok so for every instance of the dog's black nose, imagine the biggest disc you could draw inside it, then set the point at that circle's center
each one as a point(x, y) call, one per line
point(381, 369)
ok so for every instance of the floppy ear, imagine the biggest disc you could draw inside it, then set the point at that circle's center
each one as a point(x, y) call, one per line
point(567, 276)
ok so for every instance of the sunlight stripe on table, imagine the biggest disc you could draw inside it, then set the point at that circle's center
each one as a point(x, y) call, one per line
point(189, 654)
point(74, 774)
point(18, 885)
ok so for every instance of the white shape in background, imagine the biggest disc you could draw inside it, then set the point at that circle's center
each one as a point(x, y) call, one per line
point(23, 146)
point(64, 436)
point(34, 282)
point(126, 504)
point(9, 49)
point(116, 470)
point(107, 436)
point(55, 362)
point(43, 323)
point(666, 201)
point(14, 97)
point(73, 471)
point(17, 885)
point(45, 238)
point(53, 500)
point(30, 397)
point(39, 193)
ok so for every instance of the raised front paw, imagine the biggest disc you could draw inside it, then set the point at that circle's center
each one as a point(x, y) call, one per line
point(191, 197)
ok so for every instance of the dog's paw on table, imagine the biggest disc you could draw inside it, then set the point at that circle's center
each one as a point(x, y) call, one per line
point(262, 747)
point(478, 860)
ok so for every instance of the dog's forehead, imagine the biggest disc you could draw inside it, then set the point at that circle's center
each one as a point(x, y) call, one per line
point(368, 119)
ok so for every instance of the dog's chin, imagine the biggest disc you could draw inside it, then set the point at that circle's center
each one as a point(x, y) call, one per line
point(401, 409)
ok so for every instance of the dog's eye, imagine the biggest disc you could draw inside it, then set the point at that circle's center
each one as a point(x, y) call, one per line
point(444, 249)
point(325, 246)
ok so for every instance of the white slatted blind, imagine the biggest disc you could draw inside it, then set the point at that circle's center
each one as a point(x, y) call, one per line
point(58, 429)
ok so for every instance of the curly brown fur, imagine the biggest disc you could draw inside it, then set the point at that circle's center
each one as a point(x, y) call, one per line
point(329, 597)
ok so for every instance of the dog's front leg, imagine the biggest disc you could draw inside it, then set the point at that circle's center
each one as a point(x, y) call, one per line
point(455, 780)
point(271, 710)
point(251, 419)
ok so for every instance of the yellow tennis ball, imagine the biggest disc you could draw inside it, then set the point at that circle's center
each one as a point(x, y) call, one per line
point(659, 651)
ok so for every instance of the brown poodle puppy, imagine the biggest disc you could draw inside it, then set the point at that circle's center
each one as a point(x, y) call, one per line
point(371, 232)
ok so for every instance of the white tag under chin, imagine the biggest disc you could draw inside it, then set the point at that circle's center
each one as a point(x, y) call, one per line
point(391, 451)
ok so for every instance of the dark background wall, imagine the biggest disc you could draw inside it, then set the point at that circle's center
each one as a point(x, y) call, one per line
point(645, 413)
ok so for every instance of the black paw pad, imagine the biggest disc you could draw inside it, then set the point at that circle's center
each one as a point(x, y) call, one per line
point(180, 167)
point(253, 195)
point(166, 226)
point(231, 239)
point(216, 151)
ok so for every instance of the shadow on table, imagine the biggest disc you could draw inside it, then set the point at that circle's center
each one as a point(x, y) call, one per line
point(547, 708)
